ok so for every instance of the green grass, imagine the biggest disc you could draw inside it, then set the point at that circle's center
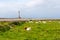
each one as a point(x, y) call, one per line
point(39, 31)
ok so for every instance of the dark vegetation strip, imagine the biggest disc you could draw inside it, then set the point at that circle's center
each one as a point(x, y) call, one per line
point(4, 28)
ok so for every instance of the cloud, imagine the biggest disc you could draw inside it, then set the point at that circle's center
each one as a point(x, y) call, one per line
point(12, 5)
point(34, 3)
point(53, 3)
point(17, 5)
point(31, 4)
point(9, 6)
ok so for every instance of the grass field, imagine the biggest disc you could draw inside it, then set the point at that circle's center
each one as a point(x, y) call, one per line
point(40, 30)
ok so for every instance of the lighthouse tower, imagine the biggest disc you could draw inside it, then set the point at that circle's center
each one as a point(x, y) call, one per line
point(19, 14)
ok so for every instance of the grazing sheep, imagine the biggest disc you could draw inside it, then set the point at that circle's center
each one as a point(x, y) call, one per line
point(30, 21)
point(36, 22)
point(27, 28)
point(44, 22)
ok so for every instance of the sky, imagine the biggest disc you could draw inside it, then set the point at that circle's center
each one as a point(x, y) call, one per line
point(30, 8)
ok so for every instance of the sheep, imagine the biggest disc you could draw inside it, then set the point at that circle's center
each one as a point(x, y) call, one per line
point(36, 22)
point(30, 21)
point(44, 22)
point(27, 28)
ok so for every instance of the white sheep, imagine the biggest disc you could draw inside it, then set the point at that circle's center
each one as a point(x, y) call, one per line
point(30, 21)
point(27, 28)
point(36, 22)
point(44, 22)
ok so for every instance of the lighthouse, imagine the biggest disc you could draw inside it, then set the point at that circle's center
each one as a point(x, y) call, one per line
point(19, 14)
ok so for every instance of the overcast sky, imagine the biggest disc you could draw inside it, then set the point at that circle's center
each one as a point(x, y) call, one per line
point(30, 8)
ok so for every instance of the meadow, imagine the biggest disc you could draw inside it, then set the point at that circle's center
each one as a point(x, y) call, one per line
point(39, 30)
